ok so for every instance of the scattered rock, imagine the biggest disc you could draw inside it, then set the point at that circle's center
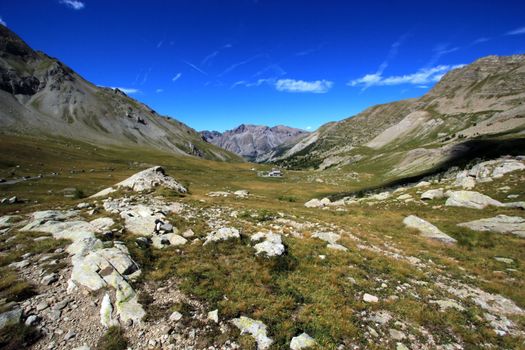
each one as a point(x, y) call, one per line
point(256, 329)
point(504, 260)
point(272, 245)
point(214, 316)
point(396, 335)
point(470, 199)
point(426, 229)
point(49, 279)
point(302, 341)
point(433, 194)
point(106, 311)
point(10, 318)
point(175, 316)
point(145, 180)
point(222, 234)
point(32, 320)
point(501, 224)
point(369, 298)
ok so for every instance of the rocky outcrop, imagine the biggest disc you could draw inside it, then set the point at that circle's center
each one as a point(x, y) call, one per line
point(145, 180)
point(476, 200)
point(222, 234)
point(96, 266)
point(271, 246)
point(502, 224)
point(487, 171)
point(426, 229)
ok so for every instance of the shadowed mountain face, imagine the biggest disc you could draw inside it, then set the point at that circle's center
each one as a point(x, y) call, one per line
point(40, 96)
point(253, 142)
point(483, 100)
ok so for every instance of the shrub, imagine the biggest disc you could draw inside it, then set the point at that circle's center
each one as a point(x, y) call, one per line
point(114, 339)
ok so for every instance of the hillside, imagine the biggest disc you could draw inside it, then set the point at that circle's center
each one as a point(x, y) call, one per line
point(41, 96)
point(253, 142)
point(483, 100)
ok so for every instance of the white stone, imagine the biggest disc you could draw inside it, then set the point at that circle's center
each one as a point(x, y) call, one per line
point(302, 341)
point(256, 329)
point(222, 234)
point(369, 298)
point(214, 316)
point(426, 229)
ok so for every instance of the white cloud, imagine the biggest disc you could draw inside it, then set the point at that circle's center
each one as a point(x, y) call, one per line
point(176, 77)
point(308, 128)
point(517, 31)
point(158, 91)
point(2, 22)
point(421, 77)
point(292, 85)
point(480, 40)
point(238, 64)
point(159, 44)
point(195, 67)
point(259, 82)
point(74, 4)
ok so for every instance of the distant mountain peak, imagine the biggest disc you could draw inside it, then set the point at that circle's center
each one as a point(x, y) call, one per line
point(253, 142)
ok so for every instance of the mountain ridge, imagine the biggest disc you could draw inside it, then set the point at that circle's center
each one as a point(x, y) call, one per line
point(253, 142)
point(43, 97)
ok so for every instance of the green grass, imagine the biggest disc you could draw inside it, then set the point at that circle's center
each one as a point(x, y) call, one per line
point(298, 292)
point(114, 339)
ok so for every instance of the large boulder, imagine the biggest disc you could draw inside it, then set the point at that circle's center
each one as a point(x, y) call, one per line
point(10, 318)
point(222, 234)
point(427, 230)
point(470, 199)
point(271, 246)
point(329, 237)
point(145, 180)
point(433, 194)
point(303, 341)
point(501, 223)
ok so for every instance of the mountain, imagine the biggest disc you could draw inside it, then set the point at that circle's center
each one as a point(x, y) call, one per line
point(253, 142)
point(40, 96)
point(481, 101)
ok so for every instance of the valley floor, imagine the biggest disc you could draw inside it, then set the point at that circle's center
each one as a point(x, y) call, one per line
point(350, 276)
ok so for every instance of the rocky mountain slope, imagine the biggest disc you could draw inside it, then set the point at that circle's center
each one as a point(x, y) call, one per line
point(483, 100)
point(253, 142)
point(41, 96)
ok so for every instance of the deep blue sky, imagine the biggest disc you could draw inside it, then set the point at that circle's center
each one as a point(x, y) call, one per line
point(215, 64)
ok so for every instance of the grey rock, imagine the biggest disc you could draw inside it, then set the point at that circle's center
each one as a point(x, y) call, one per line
point(49, 279)
point(302, 341)
point(222, 234)
point(10, 318)
point(426, 229)
point(501, 224)
point(32, 320)
point(70, 335)
point(256, 329)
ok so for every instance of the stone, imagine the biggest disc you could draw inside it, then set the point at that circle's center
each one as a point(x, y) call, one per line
point(396, 335)
point(326, 201)
point(42, 305)
point(422, 184)
point(12, 200)
point(222, 234)
point(381, 317)
point(175, 316)
point(32, 320)
point(447, 304)
point(329, 237)
point(314, 203)
point(470, 199)
point(401, 346)
point(83, 347)
point(188, 233)
point(433, 194)
point(241, 194)
point(302, 341)
point(70, 335)
point(502, 224)
point(61, 304)
point(272, 245)
point(10, 318)
point(49, 279)
point(336, 246)
point(145, 180)
point(504, 260)
point(162, 241)
point(214, 316)
point(106, 311)
point(426, 229)
point(256, 329)
point(369, 298)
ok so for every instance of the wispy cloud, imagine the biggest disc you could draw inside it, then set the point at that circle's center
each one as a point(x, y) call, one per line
point(195, 67)
point(74, 4)
point(480, 41)
point(2, 22)
point(517, 31)
point(273, 69)
point(238, 64)
point(440, 51)
point(308, 128)
point(309, 51)
point(289, 85)
point(421, 77)
point(158, 91)
point(159, 44)
point(176, 77)
point(209, 58)
point(292, 85)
